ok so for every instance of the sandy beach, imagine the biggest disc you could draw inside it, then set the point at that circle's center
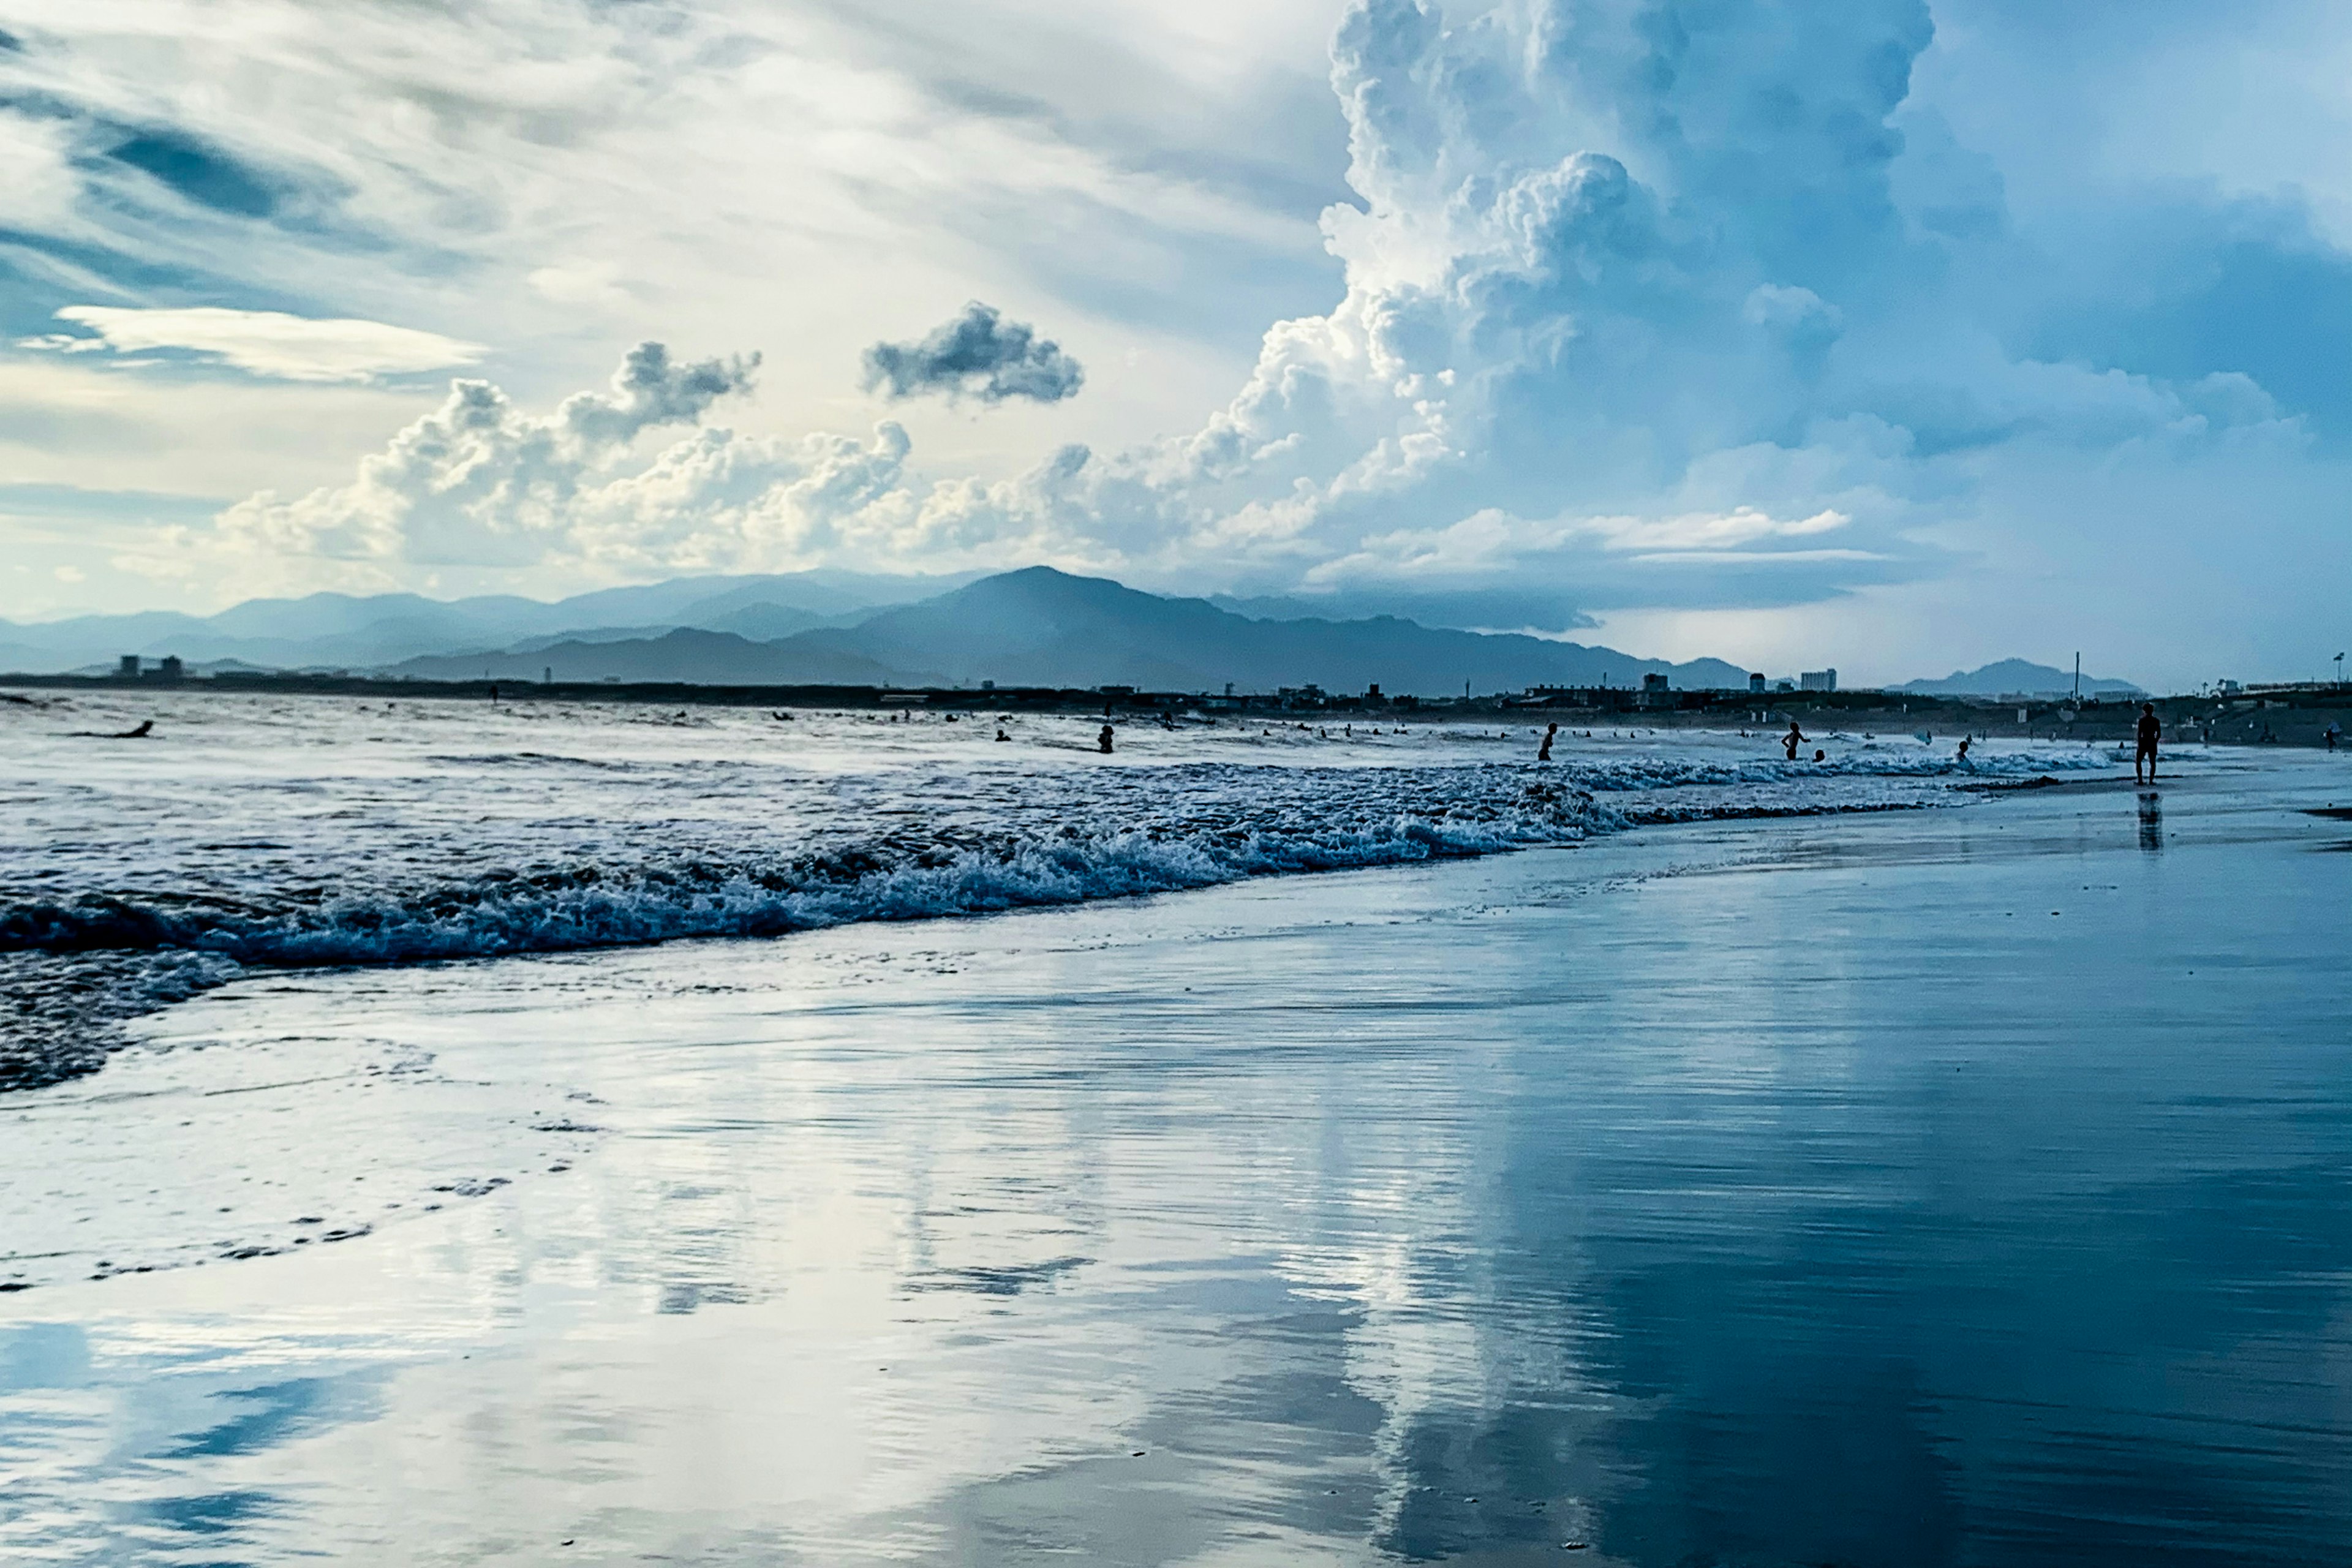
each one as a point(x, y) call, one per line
point(1962, 1185)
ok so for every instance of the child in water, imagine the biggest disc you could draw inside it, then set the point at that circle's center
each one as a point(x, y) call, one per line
point(1103, 739)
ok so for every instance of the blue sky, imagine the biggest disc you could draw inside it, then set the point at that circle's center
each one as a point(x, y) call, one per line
point(1883, 333)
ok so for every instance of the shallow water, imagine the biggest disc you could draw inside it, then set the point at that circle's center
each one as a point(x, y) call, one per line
point(1958, 1187)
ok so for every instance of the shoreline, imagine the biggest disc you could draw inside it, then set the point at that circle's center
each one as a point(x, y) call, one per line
point(2296, 717)
point(107, 964)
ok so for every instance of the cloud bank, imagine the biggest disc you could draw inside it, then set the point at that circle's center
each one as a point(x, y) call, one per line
point(979, 355)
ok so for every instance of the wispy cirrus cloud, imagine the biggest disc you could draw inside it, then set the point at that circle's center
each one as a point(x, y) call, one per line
point(263, 342)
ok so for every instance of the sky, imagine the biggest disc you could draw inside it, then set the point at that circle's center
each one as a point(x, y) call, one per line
point(1894, 335)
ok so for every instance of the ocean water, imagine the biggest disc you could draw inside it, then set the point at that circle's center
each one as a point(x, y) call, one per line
point(255, 832)
point(1962, 1186)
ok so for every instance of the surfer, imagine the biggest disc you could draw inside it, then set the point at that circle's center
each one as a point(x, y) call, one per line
point(1103, 739)
point(1792, 740)
point(2149, 731)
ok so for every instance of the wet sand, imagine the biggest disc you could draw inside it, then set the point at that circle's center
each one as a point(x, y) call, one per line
point(1967, 1186)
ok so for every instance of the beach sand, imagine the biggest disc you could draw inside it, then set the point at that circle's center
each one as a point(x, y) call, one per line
point(1964, 1186)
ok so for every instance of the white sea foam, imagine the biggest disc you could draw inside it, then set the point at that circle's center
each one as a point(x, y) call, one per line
point(307, 833)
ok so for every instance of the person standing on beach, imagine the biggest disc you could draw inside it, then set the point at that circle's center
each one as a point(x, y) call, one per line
point(1792, 740)
point(2149, 732)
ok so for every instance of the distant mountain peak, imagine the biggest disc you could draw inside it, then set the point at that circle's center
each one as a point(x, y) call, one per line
point(2003, 677)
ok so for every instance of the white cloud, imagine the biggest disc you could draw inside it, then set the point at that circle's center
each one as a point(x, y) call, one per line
point(269, 342)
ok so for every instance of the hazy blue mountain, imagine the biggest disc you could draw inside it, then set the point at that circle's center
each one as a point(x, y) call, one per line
point(361, 632)
point(2015, 675)
point(1043, 628)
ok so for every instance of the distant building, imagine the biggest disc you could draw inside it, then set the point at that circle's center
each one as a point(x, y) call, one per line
point(128, 669)
point(169, 668)
point(1373, 696)
point(1817, 680)
point(1654, 683)
point(1755, 681)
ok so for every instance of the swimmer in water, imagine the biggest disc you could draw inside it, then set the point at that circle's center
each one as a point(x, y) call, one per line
point(1792, 740)
point(1543, 753)
point(1964, 748)
point(1820, 756)
point(1001, 734)
point(1103, 739)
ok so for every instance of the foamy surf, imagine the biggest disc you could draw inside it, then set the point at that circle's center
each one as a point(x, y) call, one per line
point(393, 848)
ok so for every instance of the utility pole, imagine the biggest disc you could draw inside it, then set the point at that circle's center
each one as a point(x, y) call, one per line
point(2078, 675)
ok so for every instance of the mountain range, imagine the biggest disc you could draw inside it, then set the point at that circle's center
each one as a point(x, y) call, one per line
point(338, 631)
point(1036, 626)
point(1043, 627)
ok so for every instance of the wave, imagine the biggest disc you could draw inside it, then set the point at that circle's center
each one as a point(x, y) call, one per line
point(958, 846)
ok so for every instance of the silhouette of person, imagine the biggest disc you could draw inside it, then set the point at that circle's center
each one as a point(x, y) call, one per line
point(2149, 732)
point(1964, 748)
point(1792, 740)
point(145, 727)
point(1103, 739)
point(2335, 733)
point(1820, 756)
point(1543, 753)
point(1001, 734)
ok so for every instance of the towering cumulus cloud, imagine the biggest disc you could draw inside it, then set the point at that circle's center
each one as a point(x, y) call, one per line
point(477, 482)
point(979, 355)
point(1646, 305)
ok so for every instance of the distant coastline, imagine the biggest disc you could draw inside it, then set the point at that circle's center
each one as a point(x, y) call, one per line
point(2295, 715)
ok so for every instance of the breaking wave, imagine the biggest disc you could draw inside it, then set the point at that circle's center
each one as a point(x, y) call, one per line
point(77, 961)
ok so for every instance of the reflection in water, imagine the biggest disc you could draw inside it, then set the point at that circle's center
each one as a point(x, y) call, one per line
point(2151, 821)
point(1725, 1218)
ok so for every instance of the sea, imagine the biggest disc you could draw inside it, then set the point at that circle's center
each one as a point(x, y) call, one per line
point(557, 1133)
